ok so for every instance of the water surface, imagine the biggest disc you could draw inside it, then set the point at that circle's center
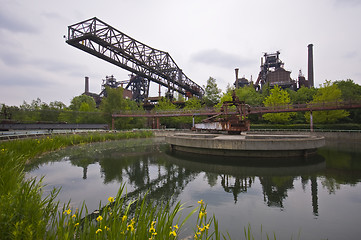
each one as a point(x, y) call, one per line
point(315, 198)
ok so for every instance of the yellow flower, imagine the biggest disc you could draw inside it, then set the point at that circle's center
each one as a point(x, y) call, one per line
point(98, 231)
point(124, 218)
point(111, 199)
point(74, 216)
point(76, 224)
point(207, 226)
point(176, 226)
point(201, 214)
point(201, 202)
point(67, 212)
point(106, 228)
point(99, 218)
point(130, 227)
point(173, 233)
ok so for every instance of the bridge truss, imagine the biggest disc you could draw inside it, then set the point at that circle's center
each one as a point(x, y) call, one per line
point(103, 41)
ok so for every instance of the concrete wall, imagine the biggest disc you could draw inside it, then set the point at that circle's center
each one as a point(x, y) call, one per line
point(334, 135)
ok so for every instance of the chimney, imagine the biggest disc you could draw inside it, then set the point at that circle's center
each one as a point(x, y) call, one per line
point(237, 83)
point(310, 65)
point(86, 85)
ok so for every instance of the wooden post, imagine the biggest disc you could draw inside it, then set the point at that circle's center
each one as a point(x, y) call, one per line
point(158, 123)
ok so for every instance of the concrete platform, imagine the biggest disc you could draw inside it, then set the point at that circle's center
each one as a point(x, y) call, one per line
point(247, 145)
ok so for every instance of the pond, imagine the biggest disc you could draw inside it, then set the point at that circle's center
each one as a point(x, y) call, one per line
point(314, 198)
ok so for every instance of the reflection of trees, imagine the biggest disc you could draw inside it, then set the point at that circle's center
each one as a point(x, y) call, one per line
point(330, 184)
point(343, 167)
point(211, 178)
point(240, 184)
point(275, 189)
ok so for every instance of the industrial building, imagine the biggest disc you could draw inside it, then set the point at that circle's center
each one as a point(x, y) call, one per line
point(273, 73)
point(110, 82)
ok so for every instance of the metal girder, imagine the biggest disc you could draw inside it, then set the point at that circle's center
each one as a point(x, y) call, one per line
point(103, 41)
point(253, 110)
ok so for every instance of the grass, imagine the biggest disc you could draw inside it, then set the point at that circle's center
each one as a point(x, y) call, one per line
point(26, 214)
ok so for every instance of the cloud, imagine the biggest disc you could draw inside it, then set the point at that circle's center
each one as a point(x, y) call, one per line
point(353, 55)
point(347, 2)
point(21, 80)
point(215, 57)
point(14, 59)
point(10, 22)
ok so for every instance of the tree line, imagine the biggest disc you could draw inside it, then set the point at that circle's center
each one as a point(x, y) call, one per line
point(82, 109)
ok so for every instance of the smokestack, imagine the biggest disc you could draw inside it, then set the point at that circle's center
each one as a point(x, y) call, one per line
point(310, 65)
point(236, 71)
point(86, 84)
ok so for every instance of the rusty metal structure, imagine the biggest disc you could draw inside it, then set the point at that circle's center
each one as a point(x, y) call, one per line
point(232, 118)
point(310, 107)
point(273, 73)
point(148, 64)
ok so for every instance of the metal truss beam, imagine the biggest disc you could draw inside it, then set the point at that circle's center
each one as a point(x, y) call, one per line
point(253, 110)
point(103, 41)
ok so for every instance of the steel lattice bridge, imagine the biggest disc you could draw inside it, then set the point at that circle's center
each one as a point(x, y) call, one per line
point(309, 107)
point(103, 41)
point(239, 113)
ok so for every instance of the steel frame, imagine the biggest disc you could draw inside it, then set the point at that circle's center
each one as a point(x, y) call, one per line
point(103, 41)
point(252, 110)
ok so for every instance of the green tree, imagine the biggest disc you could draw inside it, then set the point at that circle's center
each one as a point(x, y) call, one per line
point(327, 94)
point(192, 104)
point(351, 92)
point(212, 93)
point(31, 112)
point(57, 105)
point(225, 97)
point(304, 95)
point(113, 103)
point(82, 109)
point(277, 98)
point(166, 104)
point(76, 102)
point(249, 95)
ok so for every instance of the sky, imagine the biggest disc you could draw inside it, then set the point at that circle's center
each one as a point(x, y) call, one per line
point(206, 38)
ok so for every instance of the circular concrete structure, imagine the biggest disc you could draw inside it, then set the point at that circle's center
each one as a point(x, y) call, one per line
point(246, 145)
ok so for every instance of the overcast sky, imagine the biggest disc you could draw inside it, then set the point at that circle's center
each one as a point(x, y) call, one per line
point(204, 37)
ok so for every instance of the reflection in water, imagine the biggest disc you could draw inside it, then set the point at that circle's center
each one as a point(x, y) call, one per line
point(237, 175)
point(240, 185)
point(146, 166)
